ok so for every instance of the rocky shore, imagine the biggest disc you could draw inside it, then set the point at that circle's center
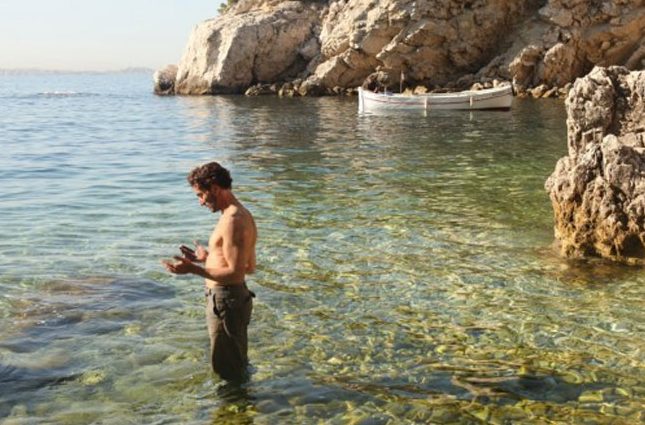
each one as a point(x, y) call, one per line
point(300, 48)
point(598, 189)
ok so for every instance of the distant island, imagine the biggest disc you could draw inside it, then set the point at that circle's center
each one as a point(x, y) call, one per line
point(38, 71)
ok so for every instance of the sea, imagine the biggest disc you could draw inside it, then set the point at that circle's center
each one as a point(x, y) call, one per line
point(406, 264)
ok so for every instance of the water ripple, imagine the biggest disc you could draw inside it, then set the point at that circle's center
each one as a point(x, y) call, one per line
point(405, 269)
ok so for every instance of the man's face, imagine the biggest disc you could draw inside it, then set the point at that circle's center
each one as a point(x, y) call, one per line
point(207, 198)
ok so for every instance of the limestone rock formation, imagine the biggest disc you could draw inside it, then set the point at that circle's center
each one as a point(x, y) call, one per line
point(164, 80)
point(268, 43)
point(335, 45)
point(598, 190)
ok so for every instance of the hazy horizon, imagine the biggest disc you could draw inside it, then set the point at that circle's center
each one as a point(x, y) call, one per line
point(80, 36)
point(49, 70)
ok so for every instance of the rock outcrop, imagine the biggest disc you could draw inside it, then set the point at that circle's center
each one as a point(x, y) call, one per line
point(326, 47)
point(247, 46)
point(598, 190)
point(164, 80)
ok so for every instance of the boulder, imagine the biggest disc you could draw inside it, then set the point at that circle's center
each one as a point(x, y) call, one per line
point(249, 45)
point(598, 189)
point(164, 80)
point(523, 67)
point(311, 87)
point(261, 90)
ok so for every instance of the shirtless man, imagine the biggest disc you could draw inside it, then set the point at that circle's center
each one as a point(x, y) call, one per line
point(229, 258)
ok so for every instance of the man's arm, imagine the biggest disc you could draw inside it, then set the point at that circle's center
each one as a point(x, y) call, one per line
point(232, 234)
point(250, 267)
point(199, 254)
point(251, 263)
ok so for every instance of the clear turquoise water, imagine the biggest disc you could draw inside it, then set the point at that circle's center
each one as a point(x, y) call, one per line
point(405, 266)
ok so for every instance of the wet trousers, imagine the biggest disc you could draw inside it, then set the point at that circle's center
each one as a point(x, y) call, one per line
point(228, 313)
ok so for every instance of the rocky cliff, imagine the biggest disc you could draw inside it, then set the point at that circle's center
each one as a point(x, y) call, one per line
point(317, 47)
point(598, 190)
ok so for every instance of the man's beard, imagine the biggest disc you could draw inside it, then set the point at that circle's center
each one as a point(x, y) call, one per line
point(212, 204)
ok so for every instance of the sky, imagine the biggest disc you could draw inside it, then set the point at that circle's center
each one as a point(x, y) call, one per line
point(96, 35)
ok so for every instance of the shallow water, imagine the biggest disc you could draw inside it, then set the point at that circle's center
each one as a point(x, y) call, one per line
point(406, 273)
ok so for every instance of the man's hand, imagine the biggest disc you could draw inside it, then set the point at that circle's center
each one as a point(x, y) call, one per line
point(199, 254)
point(181, 265)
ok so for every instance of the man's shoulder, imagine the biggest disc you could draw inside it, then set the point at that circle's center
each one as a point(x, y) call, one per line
point(238, 212)
point(236, 217)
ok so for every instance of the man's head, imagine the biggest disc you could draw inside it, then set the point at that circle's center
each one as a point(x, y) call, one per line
point(209, 181)
point(206, 175)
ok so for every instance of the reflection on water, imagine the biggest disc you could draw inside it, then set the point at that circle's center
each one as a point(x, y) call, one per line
point(405, 268)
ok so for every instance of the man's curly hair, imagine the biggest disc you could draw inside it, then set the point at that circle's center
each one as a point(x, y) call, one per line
point(206, 175)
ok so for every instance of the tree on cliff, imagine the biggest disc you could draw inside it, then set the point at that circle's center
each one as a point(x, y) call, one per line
point(223, 7)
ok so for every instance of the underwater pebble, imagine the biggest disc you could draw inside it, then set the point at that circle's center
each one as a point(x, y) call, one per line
point(312, 410)
point(623, 392)
point(269, 406)
point(626, 410)
point(335, 361)
point(591, 397)
point(481, 414)
point(419, 414)
point(184, 356)
point(149, 355)
point(573, 378)
point(513, 413)
point(538, 409)
point(608, 409)
point(397, 409)
point(132, 330)
point(640, 391)
point(369, 420)
point(93, 377)
point(496, 419)
point(19, 410)
point(444, 415)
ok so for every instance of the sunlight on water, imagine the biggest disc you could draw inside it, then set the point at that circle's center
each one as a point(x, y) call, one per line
point(405, 266)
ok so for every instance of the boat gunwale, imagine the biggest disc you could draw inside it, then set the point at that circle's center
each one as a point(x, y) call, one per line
point(438, 98)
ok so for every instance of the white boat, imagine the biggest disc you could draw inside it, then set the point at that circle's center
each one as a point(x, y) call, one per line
point(496, 98)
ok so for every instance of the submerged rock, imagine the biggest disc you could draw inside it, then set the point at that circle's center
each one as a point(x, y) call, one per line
point(598, 190)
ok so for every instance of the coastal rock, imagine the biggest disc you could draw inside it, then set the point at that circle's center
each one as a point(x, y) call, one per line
point(164, 80)
point(248, 46)
point(441, 43)
point(571, 36)
point(598, 190)
point(261, 90)
point(428, 42)
point(522, 68)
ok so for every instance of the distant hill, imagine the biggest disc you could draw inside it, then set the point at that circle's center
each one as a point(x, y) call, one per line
point(37, 71)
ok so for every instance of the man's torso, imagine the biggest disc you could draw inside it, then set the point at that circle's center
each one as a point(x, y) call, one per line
point(244, 235)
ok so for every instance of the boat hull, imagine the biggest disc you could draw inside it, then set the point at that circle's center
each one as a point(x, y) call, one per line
point(495, 98)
